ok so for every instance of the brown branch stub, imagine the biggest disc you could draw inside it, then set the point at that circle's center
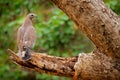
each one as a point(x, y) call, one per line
point(96, 67)
point(47, 64)
point(14, 56)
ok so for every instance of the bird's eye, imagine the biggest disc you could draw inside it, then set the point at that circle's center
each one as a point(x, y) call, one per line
point(31, 15)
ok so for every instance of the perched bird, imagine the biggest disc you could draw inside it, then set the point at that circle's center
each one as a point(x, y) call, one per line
point(26, 37)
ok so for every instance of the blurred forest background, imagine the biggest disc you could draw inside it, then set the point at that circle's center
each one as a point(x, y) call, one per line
point(56, 35)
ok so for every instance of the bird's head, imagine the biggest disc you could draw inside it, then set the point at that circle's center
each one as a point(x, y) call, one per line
point(31, 16)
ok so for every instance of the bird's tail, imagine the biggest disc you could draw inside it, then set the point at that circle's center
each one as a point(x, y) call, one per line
point(26, 53)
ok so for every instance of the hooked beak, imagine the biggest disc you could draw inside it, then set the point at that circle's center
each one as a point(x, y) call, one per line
point(36, 20)
point(35, 16)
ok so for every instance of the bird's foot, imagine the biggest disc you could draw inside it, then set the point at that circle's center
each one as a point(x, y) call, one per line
point(26, 58)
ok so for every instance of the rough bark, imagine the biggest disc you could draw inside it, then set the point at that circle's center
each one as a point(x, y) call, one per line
point(97, 21)
point(102, 26)
point(94, 66)
point(47, 64)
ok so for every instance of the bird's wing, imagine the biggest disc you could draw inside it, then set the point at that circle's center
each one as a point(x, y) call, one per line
point(30, 37)
point(20, 34)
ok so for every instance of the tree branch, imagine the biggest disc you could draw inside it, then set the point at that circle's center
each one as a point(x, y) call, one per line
point(88, 66)
point(47, 64)
point(97, 21)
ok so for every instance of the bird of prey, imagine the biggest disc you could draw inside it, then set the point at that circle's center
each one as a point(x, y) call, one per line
point(26, 37)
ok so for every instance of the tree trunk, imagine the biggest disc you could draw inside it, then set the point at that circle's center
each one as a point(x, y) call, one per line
point(102, 26)
point(97, 21)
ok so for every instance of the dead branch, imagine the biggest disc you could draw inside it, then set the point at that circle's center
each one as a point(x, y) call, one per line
point(88, 66)
point(47, 64)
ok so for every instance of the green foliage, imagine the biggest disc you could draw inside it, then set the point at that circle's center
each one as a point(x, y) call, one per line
point(55, 35)
point(58, 36)
point(114, 5)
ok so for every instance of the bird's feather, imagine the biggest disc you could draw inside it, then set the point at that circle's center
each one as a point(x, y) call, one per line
point(29, 37)
point(26, 37)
